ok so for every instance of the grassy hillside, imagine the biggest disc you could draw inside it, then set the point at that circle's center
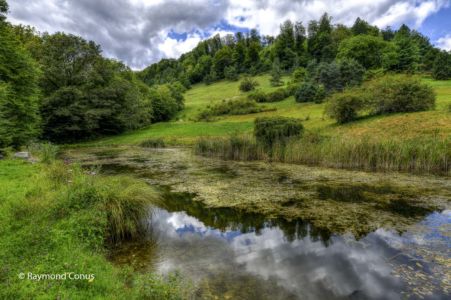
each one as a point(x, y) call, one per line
point(183, 130)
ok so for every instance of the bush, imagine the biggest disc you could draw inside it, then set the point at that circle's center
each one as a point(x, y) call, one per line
point(310, 92)
point(344, 107)
point(231, 73)
point(275, 96)
point(239, 106)
point(337, 75)
point(258, 96)
point(278, 95)
point(399, 93)
point(299, 75)
point(441, 69)
point(271, 130)
point(248, 84)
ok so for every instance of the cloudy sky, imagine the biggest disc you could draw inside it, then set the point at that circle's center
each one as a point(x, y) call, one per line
point(140, 32)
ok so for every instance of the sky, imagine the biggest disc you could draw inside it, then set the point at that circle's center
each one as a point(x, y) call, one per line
point(141, 32)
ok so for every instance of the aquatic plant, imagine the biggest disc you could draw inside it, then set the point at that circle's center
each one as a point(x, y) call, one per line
point(153, 143)
point(418, 155)
point(46, 152)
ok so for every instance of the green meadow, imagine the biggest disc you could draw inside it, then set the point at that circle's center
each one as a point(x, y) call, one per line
point(183, 130)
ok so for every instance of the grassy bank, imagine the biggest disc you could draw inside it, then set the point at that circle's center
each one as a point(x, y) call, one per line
point(59, 219)
point(418, 155)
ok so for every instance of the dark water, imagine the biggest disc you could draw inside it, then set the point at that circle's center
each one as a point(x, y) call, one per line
point(233, 255)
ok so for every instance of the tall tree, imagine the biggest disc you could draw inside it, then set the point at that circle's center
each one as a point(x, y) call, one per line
point(3, 9)
point(363, 27)
point(284, 46)
point(407, 49)
point(85, 95)
point(442, 66)
point(320, 43)
point(19, 118)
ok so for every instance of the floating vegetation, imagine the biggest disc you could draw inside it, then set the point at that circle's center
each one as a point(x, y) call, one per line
point(337, 201)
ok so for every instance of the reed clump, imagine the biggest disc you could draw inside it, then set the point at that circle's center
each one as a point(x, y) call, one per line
point(116, 208)
point(418, 155)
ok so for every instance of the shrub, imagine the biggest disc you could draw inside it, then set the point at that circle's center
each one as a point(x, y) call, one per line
point(271, 130)
point(275, 96)
point(299, 75)
point(337, 75)
point(310, 92)
point(344, 107)
point(441, 69)
point(238, 106)
point(248, 84)
point(400, 93)
point(258, 96)
point(231, 73)
point(153, 143)
point(278, 95)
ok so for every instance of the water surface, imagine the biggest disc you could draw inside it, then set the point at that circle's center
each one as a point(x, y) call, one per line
point(251, 230)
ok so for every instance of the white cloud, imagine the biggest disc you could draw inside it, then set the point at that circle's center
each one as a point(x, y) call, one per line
point(444, 42)
point(268, 14)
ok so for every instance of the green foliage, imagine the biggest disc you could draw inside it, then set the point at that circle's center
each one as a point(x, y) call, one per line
point(46, 152)
point(85, 95)
point(248, 84)
point(345, 107)
point(384, 95)
point(19, 117)
point(407, 50)
point(399, 93)
point(320, 43)
point(276, 74)
point(275, 96)
point(441, 69)
point(271, 130)
point(338, 75)
point(3, 9)
point(361, 27)
point(164, 104)
point(366, 49)
point(239, 106)
point(230, 73)
point(299, 75)
point(400, 50)
point(221, 60)
point(310, 92)
point(258, 96)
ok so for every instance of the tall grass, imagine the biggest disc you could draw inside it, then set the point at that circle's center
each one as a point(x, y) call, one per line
point(46, 152)
point(59, 218)
point(124, 203)
point(420, 155)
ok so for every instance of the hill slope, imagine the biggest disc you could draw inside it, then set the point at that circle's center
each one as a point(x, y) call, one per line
point(184, 130)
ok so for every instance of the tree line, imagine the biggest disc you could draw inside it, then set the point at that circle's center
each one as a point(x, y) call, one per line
point(297, 45)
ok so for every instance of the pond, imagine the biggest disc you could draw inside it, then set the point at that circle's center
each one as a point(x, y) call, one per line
point(251, 230)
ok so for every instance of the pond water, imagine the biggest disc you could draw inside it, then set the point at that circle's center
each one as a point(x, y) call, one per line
point(274, 231)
